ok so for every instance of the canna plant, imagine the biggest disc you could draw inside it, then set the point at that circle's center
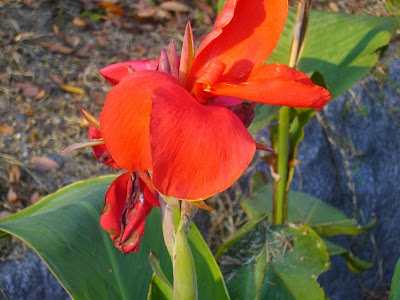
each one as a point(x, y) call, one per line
point(179, 127)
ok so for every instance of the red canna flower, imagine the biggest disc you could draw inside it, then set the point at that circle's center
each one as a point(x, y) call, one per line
point(173, 122)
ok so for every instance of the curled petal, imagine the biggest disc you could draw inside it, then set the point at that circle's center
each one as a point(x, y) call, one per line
point(125, 211)
point(204, 149)
point(114, 205)
point(276, 84)
point(115, 72)
point(125, 119)
point(100, 151)
point(243, 37)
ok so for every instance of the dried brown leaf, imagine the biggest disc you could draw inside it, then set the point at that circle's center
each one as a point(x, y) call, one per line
point(333, 7)
point(174, 6)
point(43, 163)
point(73, 89)
point(14, 175)
point(6, 130)
point(35, 197)
point(24, 35)
point(79, 22)
point(11, 195)
point(57, 48)
point(112, 9)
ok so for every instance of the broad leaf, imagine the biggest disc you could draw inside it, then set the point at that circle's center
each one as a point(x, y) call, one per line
point(322, 217)
point(395, 292)
point(64, 230)
point(353, 263)
point(276, 263)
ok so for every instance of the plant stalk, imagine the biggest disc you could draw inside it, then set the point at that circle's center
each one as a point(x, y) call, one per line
point(281, 187)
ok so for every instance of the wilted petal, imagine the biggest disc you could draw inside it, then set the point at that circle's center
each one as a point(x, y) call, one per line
point(125, 118)
point(276, 84)
point(243, 37)
point(115, 72)
point(125, 211)
point(198, 150)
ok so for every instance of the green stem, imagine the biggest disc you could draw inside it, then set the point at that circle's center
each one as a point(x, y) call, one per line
point(185, 279)
point(280, 203)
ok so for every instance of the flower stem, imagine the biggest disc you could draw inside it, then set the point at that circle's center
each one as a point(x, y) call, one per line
point(282, 185)
point(280, 195)
point(185, 279)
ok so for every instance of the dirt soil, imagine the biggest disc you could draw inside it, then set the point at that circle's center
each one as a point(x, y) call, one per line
point(51, 53)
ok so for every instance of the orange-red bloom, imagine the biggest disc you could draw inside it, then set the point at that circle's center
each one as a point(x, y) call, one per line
point(170, 122)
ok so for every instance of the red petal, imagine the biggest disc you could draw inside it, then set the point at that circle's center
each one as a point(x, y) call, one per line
point(115, 72)
point(276, 84)
point(114, 205)
point(244, 35)
point(198, 150)
point(125, 119)
point(100, 152)
point(125, 212)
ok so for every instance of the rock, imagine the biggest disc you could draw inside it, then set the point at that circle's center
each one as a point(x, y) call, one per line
point(350, 159)
point(29, 278)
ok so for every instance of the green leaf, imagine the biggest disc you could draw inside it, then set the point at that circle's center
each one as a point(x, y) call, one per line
point(159, 290)
point(156, 267)
point(63, 228)
point(340, 47)
point(353, 263)
point(322, 217)
point(395, 292)
point(278, 262)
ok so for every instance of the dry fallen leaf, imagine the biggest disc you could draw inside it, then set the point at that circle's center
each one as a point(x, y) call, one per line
point(78, 22)
point(14, 175)
point(174, 6)
point(111, 9)
point(43, 163)
point(35, 197)
point(11, 195)
point(72, 89)
point(24, 35)
point(58, 48)
point(33, 136)
point(30, 90)
point(6, 130)
point(333, 7)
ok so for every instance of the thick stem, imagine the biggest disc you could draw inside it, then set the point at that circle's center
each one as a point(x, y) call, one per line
point(280, 203)
point(185, 279)
point(282, 185)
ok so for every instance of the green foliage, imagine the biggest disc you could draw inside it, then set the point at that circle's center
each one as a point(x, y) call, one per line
point(64, 230)
point(340, 47)
point(395, 293)
point(325, 219)
point(278, 262)
point(353, 263)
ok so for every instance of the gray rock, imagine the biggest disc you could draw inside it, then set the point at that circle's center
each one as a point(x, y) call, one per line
point(350, 159)
point(29, 278)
